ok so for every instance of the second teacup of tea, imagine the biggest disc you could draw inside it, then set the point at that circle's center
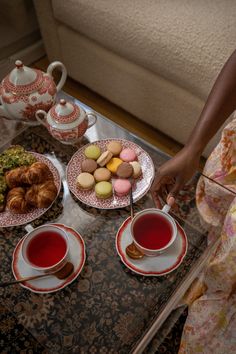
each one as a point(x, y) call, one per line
point(46, 248)
point(153, 231)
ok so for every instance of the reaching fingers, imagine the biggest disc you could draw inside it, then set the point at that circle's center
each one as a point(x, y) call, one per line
point(160, 188)
point(156, 190)
point(157, 182)
point(156, 200)
point(175, 189)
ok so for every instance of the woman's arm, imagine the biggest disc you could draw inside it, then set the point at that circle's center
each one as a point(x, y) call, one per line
point(220, 103)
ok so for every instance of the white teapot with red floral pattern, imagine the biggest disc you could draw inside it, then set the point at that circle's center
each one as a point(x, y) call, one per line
point(67, 121)
point(26, 90)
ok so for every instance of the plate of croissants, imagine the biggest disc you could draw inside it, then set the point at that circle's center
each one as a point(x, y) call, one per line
point(29, 184)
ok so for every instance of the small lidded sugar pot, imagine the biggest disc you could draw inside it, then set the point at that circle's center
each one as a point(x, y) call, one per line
point(66, 121)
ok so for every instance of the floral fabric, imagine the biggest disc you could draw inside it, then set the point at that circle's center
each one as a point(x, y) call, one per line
point(211, 322)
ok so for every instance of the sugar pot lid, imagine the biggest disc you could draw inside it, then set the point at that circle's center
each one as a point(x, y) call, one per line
point(65, 113)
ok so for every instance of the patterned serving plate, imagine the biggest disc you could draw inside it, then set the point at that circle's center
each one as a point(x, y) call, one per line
point(158, 266)
point(8, 219)
point(140, 185)
point(51, 284)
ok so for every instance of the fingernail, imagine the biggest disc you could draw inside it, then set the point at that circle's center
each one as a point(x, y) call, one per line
point(171, 201)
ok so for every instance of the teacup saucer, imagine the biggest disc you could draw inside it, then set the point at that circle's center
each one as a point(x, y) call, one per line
point(160, 265)
point(51, 284)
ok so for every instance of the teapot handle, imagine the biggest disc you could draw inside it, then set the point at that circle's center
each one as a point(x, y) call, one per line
point(94, 119)
point(37, 115)
point(62, 68)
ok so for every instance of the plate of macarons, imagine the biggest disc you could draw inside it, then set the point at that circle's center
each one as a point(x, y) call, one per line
point(101, 174)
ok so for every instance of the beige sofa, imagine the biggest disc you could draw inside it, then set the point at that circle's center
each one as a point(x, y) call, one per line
point(155, 58)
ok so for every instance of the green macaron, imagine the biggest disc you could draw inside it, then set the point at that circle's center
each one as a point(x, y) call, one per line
point(92, 152)
point(103, 190)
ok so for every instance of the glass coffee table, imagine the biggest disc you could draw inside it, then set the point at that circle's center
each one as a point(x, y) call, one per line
point(108, 308)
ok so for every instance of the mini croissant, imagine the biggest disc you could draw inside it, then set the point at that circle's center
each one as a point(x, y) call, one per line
point(15, 178)
point(16, 201)
point(37, 173)
point(41, 195)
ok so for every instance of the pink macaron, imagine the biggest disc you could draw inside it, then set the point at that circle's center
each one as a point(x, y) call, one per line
point(122, 187)
point(128, 155)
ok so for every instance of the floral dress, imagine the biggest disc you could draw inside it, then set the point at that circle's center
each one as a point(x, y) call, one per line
point(211, 323)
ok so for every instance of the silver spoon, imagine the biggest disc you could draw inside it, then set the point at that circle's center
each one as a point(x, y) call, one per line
point(62, 273)
point(131, 250)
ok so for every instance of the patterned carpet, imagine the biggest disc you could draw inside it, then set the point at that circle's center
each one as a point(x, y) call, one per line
point(14, 338)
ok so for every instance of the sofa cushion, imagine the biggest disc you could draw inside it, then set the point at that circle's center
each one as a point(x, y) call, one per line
point(184, 41)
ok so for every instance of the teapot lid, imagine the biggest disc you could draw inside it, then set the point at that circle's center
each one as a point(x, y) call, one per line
point(64, 112)
point(22, 79)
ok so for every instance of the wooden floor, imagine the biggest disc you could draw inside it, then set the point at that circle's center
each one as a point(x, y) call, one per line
point(116, 113)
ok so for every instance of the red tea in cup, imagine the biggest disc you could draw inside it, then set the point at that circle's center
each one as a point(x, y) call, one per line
point(152, 231)
point(46, 249)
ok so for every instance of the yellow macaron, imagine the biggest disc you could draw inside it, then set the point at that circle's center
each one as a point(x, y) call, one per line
point(113, 164)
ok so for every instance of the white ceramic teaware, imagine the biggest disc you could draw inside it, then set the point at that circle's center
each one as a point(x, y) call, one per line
point(66, 121)
point(163, 213)
point(32, 233)
point(25, 90)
